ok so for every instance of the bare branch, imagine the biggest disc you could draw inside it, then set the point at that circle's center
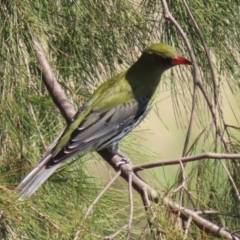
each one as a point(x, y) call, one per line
point(187, 228)
point(131, 205)
point(211, 212)
point(13, 234)
point(169, 17)
point(112, 236)
point(101, 194)
point(206, 51)
point(231, 126)
point(199, 221)
point(54, 88)
point(138, 184)
point(231, 179)
point(175, 161)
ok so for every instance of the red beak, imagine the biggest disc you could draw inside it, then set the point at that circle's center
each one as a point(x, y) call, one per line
point(180, 60)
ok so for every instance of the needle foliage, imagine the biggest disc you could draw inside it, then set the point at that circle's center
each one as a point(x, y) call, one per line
point(86, 42)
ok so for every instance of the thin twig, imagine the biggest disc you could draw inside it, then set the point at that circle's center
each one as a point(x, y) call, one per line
point(37, 126)
point(131, 205)
point(176, 161)
point(101, 194)
point(199, 221)
point(112, 236)
point(54, 88)
point(45, 218)
point(148, 208)
point(232, 126)
point(184, 175)
point(206, 51)
point(231, 180)
point(213, 113)
point(96, 200)
point(146, 200)
point(206, 137)
point(109, 237)
point(187, 228)
point(13, 234)
point(168, 16)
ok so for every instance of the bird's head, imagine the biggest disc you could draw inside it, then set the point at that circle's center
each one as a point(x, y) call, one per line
point(164, 55)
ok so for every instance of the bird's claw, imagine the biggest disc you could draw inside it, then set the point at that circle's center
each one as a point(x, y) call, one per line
point(123, 161)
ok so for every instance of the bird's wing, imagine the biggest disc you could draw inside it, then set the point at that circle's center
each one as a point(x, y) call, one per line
point(98, 127)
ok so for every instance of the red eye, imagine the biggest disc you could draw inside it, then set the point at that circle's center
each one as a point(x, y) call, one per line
point(159, 58)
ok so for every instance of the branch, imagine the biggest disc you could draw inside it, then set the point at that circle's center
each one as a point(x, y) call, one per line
point(138, 184)
point(11, 231)
point(45, 218)
point(168, 16)
point(55, 90)
point(175, 161)
point(131, 205)
point(199, 221)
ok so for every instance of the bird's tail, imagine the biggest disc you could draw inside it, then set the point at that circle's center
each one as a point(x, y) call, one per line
point(35, 178)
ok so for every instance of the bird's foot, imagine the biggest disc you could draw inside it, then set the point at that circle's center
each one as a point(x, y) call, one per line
point(123, 161)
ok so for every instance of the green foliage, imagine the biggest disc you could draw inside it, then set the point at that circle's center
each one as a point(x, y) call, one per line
point(87, 42)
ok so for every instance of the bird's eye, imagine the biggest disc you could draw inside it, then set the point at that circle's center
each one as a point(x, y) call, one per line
point(159, 58)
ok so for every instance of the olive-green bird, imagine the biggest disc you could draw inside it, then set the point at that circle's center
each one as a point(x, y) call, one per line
point(113, 110)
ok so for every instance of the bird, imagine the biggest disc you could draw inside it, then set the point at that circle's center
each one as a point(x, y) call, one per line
point(115, 108)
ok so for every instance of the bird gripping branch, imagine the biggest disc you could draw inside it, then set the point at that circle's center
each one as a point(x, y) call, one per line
point(114, 109)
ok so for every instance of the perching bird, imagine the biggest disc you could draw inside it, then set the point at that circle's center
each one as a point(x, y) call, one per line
point(113, 110)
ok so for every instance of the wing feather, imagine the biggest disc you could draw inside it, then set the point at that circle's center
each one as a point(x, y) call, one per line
point(90, 135)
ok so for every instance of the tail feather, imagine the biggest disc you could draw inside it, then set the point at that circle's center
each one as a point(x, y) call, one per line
point(35, 178)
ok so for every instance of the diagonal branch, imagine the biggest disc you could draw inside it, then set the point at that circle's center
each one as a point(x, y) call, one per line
point(95, 201)
point(55, 90)
point(200, 222)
